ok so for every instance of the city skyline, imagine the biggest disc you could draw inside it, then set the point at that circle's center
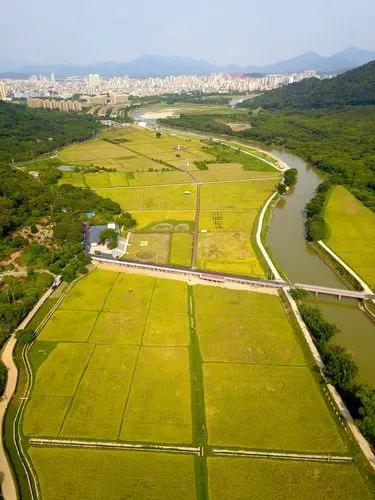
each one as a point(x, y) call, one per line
point(240, 35)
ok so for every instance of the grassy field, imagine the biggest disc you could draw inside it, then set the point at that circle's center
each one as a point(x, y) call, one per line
point(255, 381)
point(241, 478)
point(352, 232)
point(111, 474)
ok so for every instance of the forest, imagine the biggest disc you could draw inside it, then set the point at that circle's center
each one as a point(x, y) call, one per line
point(26, 133)
point(353, 88)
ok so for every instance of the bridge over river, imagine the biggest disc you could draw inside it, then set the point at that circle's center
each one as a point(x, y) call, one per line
point(214, 277)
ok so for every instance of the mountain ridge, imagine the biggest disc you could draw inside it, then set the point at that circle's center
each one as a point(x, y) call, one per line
point(148, 65)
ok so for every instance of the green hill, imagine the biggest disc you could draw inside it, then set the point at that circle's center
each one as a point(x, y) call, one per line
point(26, 133)
point(354, 88)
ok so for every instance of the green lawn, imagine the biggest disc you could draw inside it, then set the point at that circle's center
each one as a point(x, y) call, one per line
point(352, 232)
point(245, 479)
point(110, 474)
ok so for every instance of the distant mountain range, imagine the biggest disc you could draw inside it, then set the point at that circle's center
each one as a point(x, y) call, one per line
point(154, 65)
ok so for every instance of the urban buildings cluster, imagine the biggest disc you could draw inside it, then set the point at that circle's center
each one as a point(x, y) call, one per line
point(119, 87)
point(3, 92)
point(61, 105)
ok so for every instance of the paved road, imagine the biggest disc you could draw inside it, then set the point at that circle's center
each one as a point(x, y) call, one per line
point(8, 485)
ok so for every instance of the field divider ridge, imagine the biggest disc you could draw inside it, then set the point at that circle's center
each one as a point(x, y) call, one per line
point(280, 455)
point(82, 443)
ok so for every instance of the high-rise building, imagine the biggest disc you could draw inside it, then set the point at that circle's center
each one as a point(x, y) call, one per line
point(3, 92)
point(52, 77)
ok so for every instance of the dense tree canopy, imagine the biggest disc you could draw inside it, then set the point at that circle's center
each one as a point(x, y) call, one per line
point(26, 133)
point(355, 87)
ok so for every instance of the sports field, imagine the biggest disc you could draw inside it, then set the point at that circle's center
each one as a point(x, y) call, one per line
point(352, 232)
point(159, 360)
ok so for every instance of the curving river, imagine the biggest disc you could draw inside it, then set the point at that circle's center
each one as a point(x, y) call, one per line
point(301, 264)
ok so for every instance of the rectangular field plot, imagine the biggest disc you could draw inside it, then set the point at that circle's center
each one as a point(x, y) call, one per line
point(63, 325)
point(236, 195)
point(248, 340)
point(149, 247)
point(267, 407)
point(159, 407)
point(99, 401)
point(112, 474)
point(169, 296)
point(227, 220)
point(245, 478)
point(118, 328)
point(229, 252)
point(90, 292)
point(181, 249)
point(130, 294)
point(167, 329)
point(56, 382)
point(219, 301)
point(172, 197)
point(352, 232)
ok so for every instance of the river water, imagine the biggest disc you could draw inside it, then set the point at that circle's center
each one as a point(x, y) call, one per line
point(302, 265)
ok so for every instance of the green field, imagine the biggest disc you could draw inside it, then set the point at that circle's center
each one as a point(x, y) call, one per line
point(227, 216)
point(181, 249)
point(233, 185)
point(134, 378)
point(352, 232)
point(97, 369)
point(110, 474)
point(255, 381)
point(243, 479)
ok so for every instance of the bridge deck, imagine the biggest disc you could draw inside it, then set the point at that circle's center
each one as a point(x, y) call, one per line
point(213, 276)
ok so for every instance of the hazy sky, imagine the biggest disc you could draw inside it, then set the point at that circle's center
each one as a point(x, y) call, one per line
point(221, 31)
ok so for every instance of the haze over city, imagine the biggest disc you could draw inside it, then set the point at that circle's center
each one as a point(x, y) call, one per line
point(246, 32)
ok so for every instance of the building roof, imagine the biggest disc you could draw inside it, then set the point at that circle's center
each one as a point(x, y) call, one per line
point(95, 231)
